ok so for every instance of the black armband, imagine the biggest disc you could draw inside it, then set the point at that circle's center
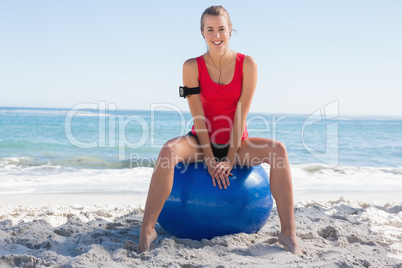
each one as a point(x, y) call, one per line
point(185, 91)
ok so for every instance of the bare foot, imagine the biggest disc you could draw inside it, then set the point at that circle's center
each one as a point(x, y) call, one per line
point(146, 239)
point(290, 243)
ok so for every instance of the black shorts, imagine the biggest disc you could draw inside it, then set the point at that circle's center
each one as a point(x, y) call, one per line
point(220, 151)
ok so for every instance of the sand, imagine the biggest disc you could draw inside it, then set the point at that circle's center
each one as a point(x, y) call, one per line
point(83, 231)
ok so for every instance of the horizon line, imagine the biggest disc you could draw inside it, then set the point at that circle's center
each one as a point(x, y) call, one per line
point(167, 110)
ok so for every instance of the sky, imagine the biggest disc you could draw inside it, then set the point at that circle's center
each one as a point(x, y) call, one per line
point(129, 53)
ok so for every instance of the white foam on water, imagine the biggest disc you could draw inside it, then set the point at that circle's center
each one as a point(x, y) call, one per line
point(319, 177)
point(76, 181)
point(17, 178)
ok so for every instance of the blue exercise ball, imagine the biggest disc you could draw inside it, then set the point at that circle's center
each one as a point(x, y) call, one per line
point(197, 210)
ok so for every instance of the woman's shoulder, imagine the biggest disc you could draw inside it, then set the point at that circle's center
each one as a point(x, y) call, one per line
point(190, 69)
point(190, 61)
point(193, 61)
point(249, 64)
point(190, 65)
point(248, 60)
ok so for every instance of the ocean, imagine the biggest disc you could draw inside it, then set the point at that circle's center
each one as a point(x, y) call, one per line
point(95, 148)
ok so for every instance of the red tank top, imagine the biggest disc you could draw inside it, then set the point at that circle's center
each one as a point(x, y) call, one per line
point(220, 102)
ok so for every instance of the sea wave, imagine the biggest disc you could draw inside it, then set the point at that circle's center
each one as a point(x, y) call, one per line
point(76, 181)
point(18, 178)
point(76, 162)
point(346, 178)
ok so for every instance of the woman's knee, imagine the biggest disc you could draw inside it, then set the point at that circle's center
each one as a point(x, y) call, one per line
point(168, 154)
point(279, 149)
point(276, 155)
point(178, 149)
point(171, 147)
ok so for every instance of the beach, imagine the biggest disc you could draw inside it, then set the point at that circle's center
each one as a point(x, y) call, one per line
point(101, 230)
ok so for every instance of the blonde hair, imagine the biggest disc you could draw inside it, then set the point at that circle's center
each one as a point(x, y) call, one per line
point(215, 11)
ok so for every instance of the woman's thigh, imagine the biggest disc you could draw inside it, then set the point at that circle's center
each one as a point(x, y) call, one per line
point(182, 149)
point(255, 151)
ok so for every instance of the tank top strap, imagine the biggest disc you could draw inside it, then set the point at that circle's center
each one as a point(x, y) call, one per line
point(201, 67)
point(239, 65)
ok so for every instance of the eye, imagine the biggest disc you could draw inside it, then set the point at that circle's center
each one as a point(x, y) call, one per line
point(210, 30)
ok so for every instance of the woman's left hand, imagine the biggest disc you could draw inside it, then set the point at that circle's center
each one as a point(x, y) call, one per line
point(222, 172)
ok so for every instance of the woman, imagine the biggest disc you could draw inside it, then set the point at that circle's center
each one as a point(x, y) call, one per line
point(227, 82)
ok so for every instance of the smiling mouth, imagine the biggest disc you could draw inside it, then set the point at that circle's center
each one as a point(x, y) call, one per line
point(217, 43)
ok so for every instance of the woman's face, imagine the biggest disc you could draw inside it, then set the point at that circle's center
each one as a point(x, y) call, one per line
point(216, 32)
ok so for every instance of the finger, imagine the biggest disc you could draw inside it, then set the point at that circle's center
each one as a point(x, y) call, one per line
point(219, 183)
point(216, 179)
point(213, 181)
point(227, 180)
point(216, 171)
point(222, 178)
point(225, 173)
